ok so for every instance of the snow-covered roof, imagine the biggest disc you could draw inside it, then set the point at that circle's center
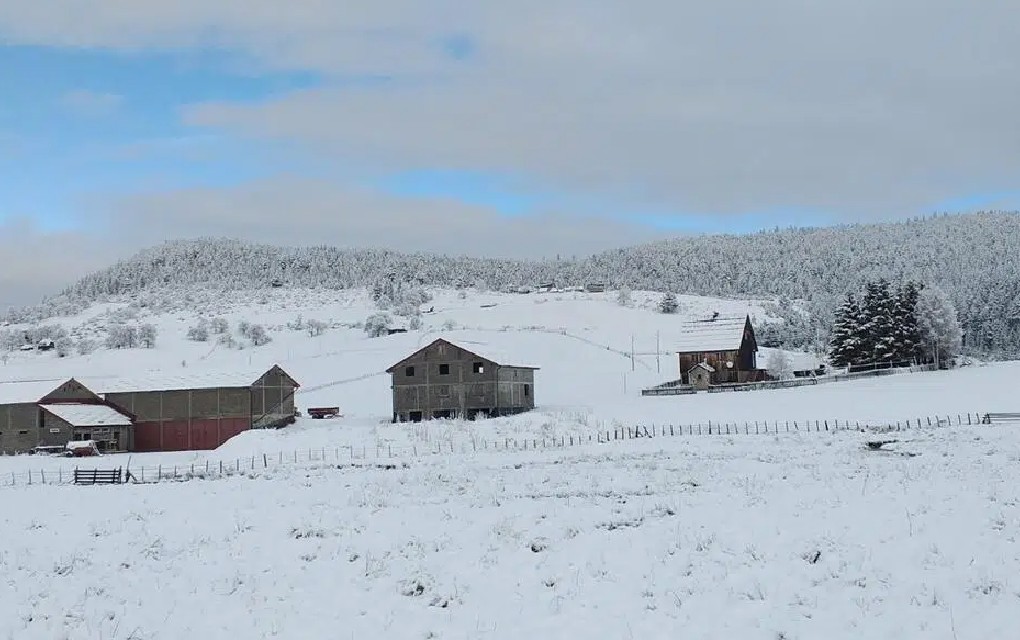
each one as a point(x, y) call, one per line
point(720, 334)
point(704, 365)
point(27, 391)
point(483, 350)
point(88, 415)
point(499, 356)
point(186, 379)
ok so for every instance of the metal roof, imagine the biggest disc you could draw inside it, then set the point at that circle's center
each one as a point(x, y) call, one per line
point(186, 379)
point(28, 391)
point(719, 334)
point(88, 415)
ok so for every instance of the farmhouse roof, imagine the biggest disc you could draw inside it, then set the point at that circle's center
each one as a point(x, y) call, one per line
point(28, 391)
point(156, 381)
point(719, 334)
point(703, 365)
point(88, 415)
point(479, 350)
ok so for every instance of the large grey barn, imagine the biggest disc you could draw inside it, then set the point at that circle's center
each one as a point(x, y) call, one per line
point(443, 380)
point(200, 410)
point(49, 413)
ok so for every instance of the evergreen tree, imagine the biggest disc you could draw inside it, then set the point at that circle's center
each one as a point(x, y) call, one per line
point(669, 304)
point(878, 331)
point(844, 347)
point(907, 330)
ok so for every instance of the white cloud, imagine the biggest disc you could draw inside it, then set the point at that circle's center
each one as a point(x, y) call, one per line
point(91, 103)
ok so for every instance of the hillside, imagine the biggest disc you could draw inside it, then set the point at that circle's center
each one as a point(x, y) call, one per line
point(971, 256)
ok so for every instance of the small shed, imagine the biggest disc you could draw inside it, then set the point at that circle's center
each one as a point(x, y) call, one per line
point(700, 376)
point(109, 428)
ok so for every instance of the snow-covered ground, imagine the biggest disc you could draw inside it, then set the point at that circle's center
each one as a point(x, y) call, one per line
point(807, 536)
point(799, 535)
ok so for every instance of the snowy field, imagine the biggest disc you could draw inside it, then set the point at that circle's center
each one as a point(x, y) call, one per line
point(588, 382)
point(799, 535)
point(807, 536)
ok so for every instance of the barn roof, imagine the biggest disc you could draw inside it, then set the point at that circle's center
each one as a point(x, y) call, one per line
point(88, 415)
point(481, 350)
point(184, 380)
point(28, 391)
point(720, 334)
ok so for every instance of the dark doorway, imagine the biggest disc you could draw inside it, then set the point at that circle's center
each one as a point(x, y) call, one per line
point(414, 416)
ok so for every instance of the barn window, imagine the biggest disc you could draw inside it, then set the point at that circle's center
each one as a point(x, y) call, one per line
point(444, 390)
point(23, 432)
point(527, 390)
point(409, 372)
point(444, 369)
point(479, 367)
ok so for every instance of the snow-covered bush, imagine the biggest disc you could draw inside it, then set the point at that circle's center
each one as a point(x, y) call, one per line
point(147, 335)
point(85, 346)
point(779, 365)
point(449, 324)
point(219, 326)
point(258, 336)
point(121, 336)
point(414, 323)
point(63, 346)
point(377, 324)
point(669, 304)
point(316, 327)
point(624, 297)
point(200, 331)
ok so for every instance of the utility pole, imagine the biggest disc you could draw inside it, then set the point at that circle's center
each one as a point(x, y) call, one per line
point(658, 367)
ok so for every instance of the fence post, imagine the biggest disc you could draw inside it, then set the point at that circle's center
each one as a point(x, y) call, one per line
point(968, 418)
point(265, 461)
point(159, 470)
point(42, 473)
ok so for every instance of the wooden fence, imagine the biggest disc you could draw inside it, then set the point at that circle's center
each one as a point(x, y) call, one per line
point(675, 387)
point(388, 456)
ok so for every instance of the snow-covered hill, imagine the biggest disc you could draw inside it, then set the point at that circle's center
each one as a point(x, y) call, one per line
point(790, 535)
point(583, 342)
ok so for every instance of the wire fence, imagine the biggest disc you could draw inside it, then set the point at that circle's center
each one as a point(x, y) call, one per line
point(389, 456)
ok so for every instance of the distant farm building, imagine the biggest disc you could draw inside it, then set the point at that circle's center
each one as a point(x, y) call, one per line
point(595, 287)
point(727, 347)
point(443, 380)
point(197, 411)
point(50, 413)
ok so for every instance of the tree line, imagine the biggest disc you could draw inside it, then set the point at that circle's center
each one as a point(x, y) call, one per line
point(908, 324)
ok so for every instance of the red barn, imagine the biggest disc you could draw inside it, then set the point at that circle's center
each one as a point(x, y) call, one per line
point(200, 410)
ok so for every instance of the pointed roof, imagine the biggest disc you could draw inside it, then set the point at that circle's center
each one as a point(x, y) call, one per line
point(716, 334)
point(29, 391)
point(488, 355)
point(703, 365)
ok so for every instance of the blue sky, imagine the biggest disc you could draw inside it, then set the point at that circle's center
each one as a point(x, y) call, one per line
point(81, 122)
point(77, 123)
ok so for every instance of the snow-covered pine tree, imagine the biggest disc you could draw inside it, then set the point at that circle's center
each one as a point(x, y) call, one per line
point(623, 297)
point(939, 325)
point(669, 304)
point(908, 333)
point(845, 344)
point(878, 335)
